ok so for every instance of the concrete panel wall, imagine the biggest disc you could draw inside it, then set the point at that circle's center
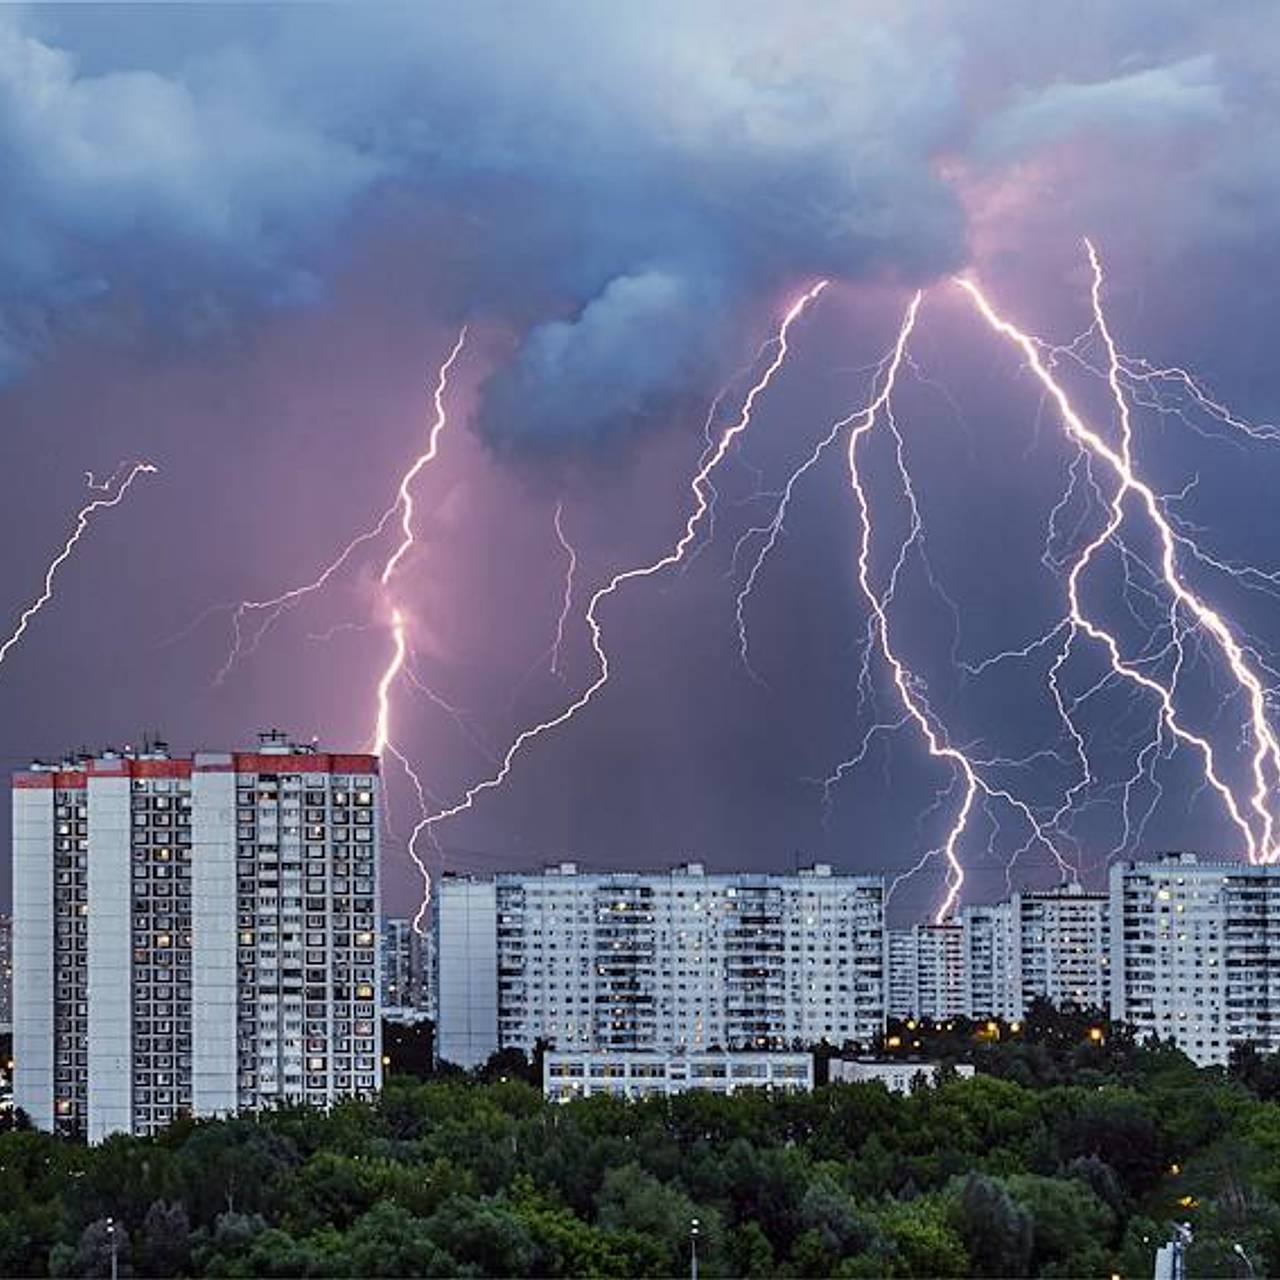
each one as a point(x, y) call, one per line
point(33, 953)
point(213, 942)
point(110, 973)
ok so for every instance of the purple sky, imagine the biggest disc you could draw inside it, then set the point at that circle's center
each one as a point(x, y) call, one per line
point(238, 241)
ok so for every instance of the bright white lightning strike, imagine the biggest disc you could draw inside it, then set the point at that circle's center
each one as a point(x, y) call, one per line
point(383, 743)
point(382, 697)
point(701, 489)
point(382, 740)
point(566, 599)
point(772, 532)
point(83, 518)
point(1257, 830)
point(272, 609)
point(861, 424)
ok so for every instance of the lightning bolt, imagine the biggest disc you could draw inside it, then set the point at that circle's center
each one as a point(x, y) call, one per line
point(83, 519)
point(382, 696)
point(701, 489)
point(772, 531)
point(566, 599)
point(1251, 815)
point(383, 743)
point(270, 610)
point(915, 708)
point(403, 507)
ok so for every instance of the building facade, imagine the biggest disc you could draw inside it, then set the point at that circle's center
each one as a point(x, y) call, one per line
point(566, 1076)
point(666, 962)
point(1061, 948)
point(194, 935)
point(6, 974)
point(994, 960)
point(1196, 953)
point(990, 963)
point(401, 965)
point(929, 974)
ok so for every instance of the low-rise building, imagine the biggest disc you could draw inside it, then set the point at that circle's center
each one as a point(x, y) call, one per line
point(566, 1076)
point(898, 1076)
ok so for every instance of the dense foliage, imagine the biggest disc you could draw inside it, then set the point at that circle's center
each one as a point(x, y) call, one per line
point(1065, 1156)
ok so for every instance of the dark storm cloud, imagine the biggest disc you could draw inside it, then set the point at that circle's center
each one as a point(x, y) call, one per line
point(698, 159)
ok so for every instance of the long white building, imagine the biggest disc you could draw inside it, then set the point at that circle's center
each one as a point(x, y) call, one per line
point(194, 935)
point(1196, 953)
point(567, 1076)
point(671, 961)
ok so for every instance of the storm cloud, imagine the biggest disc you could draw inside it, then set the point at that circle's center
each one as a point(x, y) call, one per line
point(176, 175)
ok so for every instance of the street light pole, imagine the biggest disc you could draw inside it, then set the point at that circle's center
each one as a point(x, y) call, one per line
point(693, 1249)
point(111, 1236)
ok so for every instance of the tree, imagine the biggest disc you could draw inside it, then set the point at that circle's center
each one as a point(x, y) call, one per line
point(1260, 1073)
point(485, 1234)
point(997, 1233)
point(567, 1246)
point(233, 1166)
point(827, 1212)
point(165, 1247)
point(631, 1199)
point(749, 1252)
point(920, 1242)
point(389, 1241)
point(1071, 1227)
point(1120, 1128)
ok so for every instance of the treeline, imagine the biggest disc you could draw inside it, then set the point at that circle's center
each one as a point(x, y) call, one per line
point(1068, 1156)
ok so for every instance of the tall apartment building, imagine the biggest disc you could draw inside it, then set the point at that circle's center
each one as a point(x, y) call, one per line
point(900, 973)
point(1196, 953)
point(990, 961)
point(1061, 948)
point(673, 961)
point(398, 944)
point(194, 934)
point(930, 982)
point(994, 960)
point(406, 958)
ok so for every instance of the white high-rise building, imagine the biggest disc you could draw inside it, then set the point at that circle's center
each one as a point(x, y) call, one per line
point(1061, 948)
point(927, 971)
point(1196, 953)
point(670, 961)
point(900, 973)
point(990, 964)
point(400, 964)
point(194, 935)
point(406, 970)
point(994, 960)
